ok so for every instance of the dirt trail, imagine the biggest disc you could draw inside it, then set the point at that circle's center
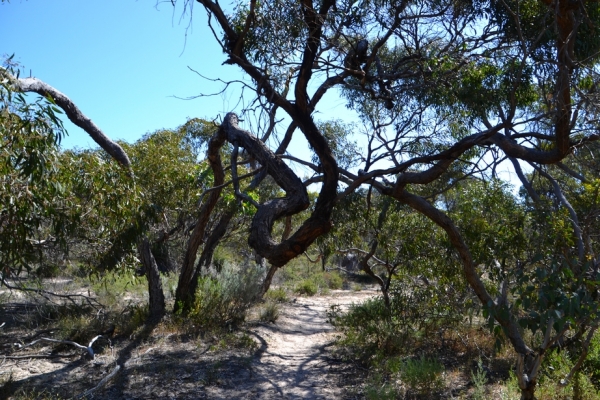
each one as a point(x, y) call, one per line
point(293, 362)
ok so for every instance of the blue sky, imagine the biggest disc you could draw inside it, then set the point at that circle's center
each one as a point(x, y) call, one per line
point(121, 61)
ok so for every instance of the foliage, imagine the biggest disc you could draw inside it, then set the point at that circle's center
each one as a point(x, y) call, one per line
point(269, 312)
point(375, 389)
point(422, 375)
point(333, 280)
point(307, 286)
point(558, 365)
point(278, 295)
point(35, 211)
point(118, 211)
point(446, 91)
point(417, 313)
point(479, 379)
point(222, 300)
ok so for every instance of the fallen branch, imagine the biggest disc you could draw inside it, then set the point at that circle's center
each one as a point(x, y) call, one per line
point(100, 384)
point(88, 348)
point(39, 356)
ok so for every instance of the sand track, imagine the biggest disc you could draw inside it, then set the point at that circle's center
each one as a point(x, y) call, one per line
point(293, 361)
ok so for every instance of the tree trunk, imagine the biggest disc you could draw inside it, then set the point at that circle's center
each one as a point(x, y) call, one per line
point(155, 292)
point(205, 258)
point(184, 284)
point(528, 368)
point(268, 279)
point(528, 393)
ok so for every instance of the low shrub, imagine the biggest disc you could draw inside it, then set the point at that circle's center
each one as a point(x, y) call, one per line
point(223, 299)
point(333, 280)
point(307, 287)
point(278, 295)
point(422, 376)
point(269, 312)
point(479, 379)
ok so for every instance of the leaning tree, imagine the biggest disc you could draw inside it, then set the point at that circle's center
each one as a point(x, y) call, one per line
point(444, 90)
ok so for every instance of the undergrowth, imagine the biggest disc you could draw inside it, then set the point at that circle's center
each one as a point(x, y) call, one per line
point(222, 299)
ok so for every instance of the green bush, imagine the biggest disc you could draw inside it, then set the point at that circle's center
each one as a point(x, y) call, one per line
point(479, 379)
point(307, 287)
point(423, 375)
point(223, 299)
point(334, 280)
point(591, 366)
point(269, 312)
point(376, 389)
point(368, 329)
point(277, 295)
point(555, 367)
point(48, 271)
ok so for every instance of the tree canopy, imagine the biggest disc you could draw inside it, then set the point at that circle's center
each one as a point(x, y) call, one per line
point(448, 93)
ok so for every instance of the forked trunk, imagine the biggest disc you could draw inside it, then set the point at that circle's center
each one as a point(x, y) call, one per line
point(528, 367)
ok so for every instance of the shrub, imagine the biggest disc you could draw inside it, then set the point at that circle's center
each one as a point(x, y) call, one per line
point(591, 366)
point(423, 375)
point(376, 389)
point(479, 379)
point(333, 280)
point(367, 328)
point(277, 295)
point(223, 299)
point(307, 287)
point(269, 312)
point(48, 271)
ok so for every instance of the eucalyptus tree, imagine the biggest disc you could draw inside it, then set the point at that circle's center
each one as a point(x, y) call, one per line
point(35, 212)
point(121, 219)
point(445, 90)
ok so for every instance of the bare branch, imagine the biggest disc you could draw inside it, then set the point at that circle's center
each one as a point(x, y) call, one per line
point(73, 113)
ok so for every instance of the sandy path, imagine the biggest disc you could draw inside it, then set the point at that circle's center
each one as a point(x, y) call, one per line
point(293, 361)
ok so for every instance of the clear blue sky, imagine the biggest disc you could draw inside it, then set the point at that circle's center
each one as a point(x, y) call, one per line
point(124, 61)
point(121, 61)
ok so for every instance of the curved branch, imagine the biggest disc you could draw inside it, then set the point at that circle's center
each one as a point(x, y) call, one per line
point(314, 20)
point(513, 149)
point(73, 113)
point(511, 327)
point(526, 184)
point(296, 198)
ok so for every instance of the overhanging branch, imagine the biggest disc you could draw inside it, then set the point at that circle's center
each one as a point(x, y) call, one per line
point(74, 114)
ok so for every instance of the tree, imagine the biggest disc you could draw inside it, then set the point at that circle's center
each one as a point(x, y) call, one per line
point(30, 195)
point(446, 91)
point(121, 218)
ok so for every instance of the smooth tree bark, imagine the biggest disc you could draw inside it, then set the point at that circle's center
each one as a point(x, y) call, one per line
point(156, 303)
point(184, 292)
point(73, 112)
